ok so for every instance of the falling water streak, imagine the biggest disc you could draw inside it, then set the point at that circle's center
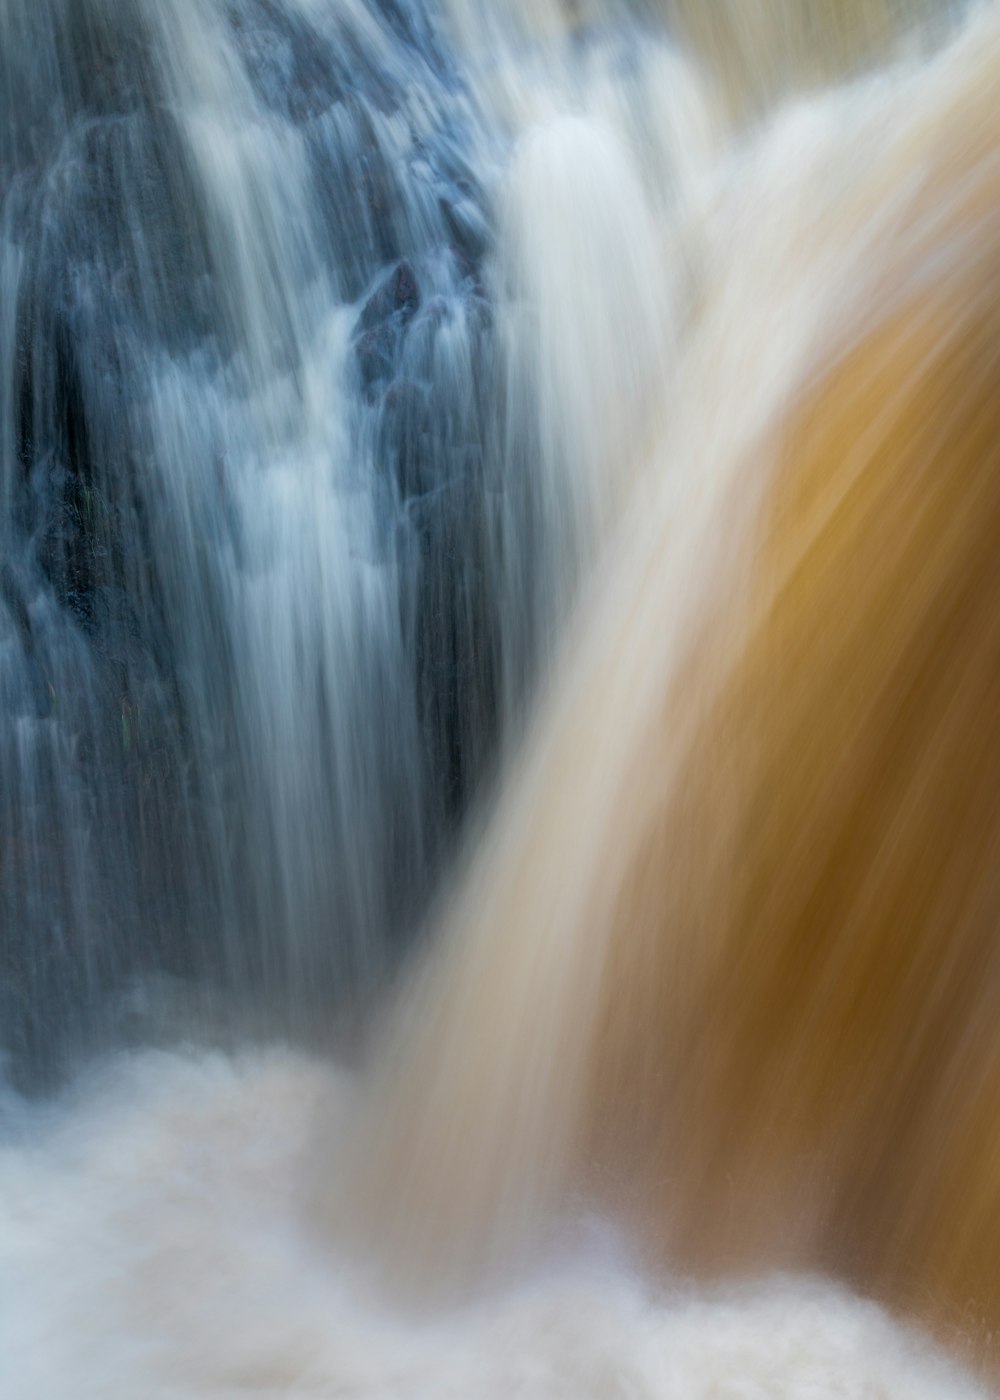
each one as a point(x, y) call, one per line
point(566, 1021)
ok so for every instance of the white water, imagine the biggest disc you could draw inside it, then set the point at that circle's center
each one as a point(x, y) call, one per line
point(155, 1246)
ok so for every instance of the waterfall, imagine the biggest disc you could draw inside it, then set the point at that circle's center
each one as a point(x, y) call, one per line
point(497, 753)
point(282, 527)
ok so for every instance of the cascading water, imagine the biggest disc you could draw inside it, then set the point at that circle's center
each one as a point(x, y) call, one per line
point(276, 559)
point(359, 360)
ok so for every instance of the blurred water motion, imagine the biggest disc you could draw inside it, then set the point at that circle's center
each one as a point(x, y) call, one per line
point(277, 557)
point(527, 478)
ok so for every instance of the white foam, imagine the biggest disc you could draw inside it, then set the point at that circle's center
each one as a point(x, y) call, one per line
point(154, 1245)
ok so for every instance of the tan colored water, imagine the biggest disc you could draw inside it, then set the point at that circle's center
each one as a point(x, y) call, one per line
point(727, 957)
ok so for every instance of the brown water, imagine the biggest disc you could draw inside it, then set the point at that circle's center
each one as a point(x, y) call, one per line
point(726, 958)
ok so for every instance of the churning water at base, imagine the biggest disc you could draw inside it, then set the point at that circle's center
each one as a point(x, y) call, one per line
point(365, 371)
point(155, 1245)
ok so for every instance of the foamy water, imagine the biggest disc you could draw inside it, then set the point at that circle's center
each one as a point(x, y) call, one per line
point(156, 1246)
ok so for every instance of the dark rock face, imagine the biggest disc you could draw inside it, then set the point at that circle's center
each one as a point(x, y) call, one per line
point(397, 297)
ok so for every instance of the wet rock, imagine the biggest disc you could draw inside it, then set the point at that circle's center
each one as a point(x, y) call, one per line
point(397, 295)
point(12, 596)
point(383, 323)
point(406, 444)
point(375, 352)
point(469, 231)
